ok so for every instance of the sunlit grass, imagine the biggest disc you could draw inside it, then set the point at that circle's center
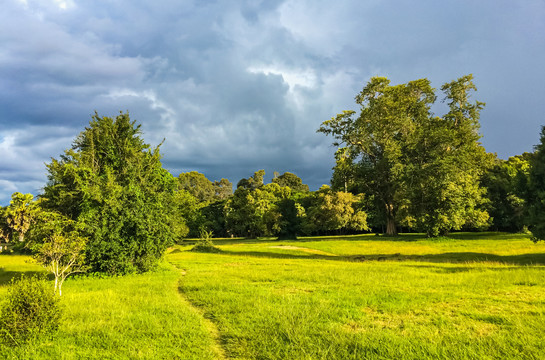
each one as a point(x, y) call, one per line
point(373, 298)
point(131, 317)
point(469, 296)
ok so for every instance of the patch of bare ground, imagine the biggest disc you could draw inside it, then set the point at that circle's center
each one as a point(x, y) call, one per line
point(307, 250)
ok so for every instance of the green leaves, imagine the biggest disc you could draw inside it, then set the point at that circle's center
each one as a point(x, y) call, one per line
point(31, 310)
point(113, 184)
point(536, 194)
point(420, 169)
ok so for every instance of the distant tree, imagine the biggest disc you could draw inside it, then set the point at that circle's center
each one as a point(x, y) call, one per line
point(5, 231)
point(223, 189)
point(253, 210)
point(204, 192)
point(189, 209)
point(114, 185)
point(254, 182)
point(334, 211)
point(19, 215)
point(536, 193)
point(290, 217)
point(506, 184)
point(214, 218)
point(290, 180)
point(197, 185)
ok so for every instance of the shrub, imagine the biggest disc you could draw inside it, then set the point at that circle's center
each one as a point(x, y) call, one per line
point(31, 309)
point(204, 244)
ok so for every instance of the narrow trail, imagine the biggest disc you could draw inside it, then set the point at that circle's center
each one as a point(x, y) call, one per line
point(212, 329)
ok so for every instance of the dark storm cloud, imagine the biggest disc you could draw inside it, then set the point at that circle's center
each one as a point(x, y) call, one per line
point(235, 86)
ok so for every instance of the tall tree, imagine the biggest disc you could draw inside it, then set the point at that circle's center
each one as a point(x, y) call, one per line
point(375, 139)
point(444, 164)
point(114, 185)
point(253, 182)
point(223, 189)
point(536, 194)
point(420, 169)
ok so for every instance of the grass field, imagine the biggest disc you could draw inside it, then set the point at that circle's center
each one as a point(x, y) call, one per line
point(472, 296)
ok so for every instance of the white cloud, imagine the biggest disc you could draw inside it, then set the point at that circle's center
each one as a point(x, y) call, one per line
point(293, 77)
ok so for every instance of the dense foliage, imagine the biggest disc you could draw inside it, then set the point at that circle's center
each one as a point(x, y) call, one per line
point(115, 187)
point(15, 219)
point(420, 169)
point(536, 198)
point(30, 310)
point(506, 184)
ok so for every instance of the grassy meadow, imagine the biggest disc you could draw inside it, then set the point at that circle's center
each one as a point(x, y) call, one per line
point(471, 296)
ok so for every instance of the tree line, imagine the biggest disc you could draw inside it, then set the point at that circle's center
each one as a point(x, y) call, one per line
point(110, 206)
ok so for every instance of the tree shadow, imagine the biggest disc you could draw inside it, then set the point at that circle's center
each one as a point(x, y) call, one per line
point(402, 237)
point(6, 276)
point(448, 257)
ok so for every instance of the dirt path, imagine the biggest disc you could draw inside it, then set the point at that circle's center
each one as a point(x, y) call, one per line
point(212, 329)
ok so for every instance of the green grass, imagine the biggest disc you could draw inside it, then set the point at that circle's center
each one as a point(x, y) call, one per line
point(131, 317)
point(474, 297)
point(471, 296)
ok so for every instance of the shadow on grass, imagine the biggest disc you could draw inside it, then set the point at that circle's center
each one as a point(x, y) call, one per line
point(449, 257)
point(6, 276)
point(405, 237)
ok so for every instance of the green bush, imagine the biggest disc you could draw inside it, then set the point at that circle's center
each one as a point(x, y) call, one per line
point(31, 309)
point(204, 244)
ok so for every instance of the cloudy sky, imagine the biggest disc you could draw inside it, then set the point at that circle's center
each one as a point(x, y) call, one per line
point(237, 86)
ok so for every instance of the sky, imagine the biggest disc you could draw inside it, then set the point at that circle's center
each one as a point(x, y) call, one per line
point(237, 86)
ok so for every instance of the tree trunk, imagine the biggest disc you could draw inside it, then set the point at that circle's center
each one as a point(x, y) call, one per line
point(390, 220)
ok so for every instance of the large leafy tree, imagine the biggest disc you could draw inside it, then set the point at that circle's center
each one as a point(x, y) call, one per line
point(375, 139)
point(223, 189)
point(536, 194)
point(418, 168)
point(444, 162)
point(114, 186)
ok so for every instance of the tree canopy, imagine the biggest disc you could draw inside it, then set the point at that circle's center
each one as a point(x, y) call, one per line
point(290, 180)
point(114, 185)
point(418, 168)
point(506, 184)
